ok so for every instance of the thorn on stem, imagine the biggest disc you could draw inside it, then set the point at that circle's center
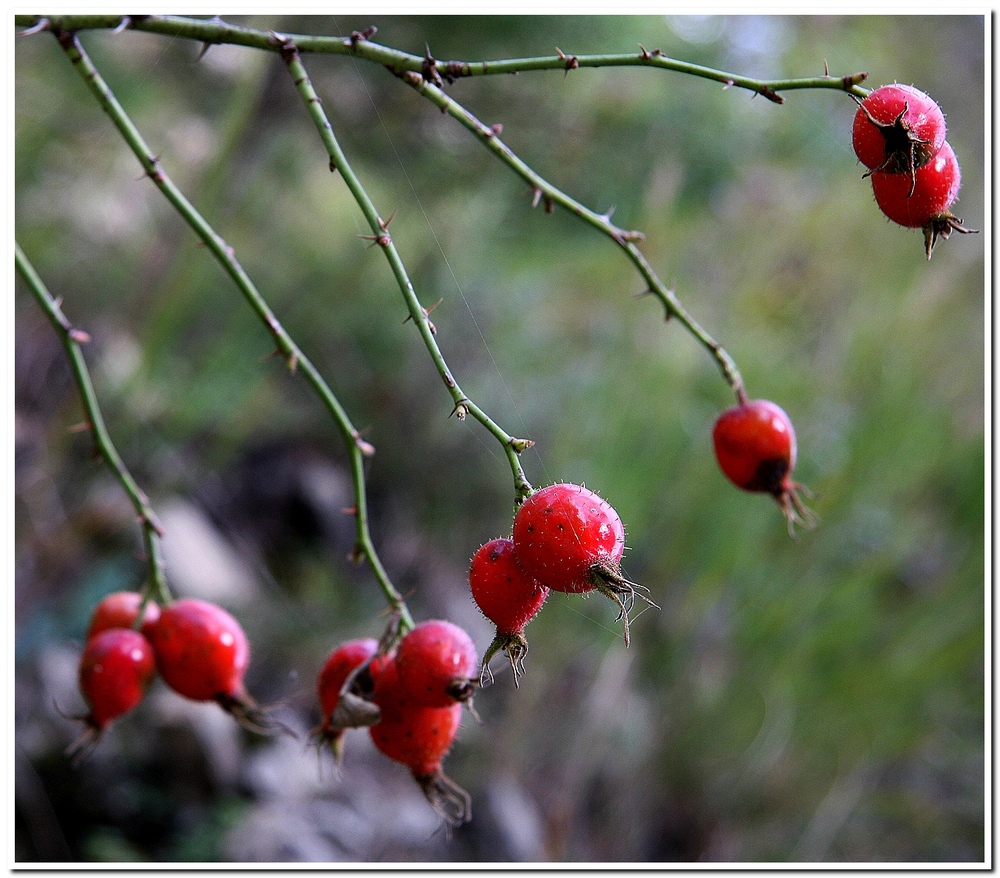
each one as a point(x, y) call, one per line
point(37, 27)
point(643, 53)
point(494, 130)
point(770, 94)
point(79, 336)
point(363, 445)
point(571, 61)
point(82, 427)
point(361, 36)
point(536, 196)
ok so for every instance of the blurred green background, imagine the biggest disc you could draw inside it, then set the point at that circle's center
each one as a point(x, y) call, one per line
point(818, 699)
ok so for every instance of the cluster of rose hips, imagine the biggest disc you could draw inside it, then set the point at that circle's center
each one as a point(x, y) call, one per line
point(198, 648)
point(410, 696)
point(899, 136)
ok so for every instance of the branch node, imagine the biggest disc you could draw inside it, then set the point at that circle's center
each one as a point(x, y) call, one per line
point(571, 61)
point(429, 70)
point(853, 79)
point(461, 408)
point(520, 445)
point(771, 94)
point(361, 36)
point(494, 130)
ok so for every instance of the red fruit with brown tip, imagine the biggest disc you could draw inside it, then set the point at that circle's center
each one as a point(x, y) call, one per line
point(508, 597)
point(419, 738)
point(571, 539)
point(202, 653)
point(343, 710)
point(116, 668)
point(897, 129)
point(436, 662)
point(755, 446)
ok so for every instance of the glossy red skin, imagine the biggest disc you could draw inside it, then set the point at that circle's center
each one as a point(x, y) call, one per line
point(564, 531)
point(505, 594)
point(120, 610)
point(431, 659)
point(416, 736)
point(116, 669)
point(755, 446)
point(923, 120)
point(201, 650)
point(339, 664)
point(935, 190)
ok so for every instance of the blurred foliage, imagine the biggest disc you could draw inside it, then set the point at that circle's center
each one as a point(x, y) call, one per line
point(820, 699)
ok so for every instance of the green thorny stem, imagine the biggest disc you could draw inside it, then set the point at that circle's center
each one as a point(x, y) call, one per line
point(357, 447)
point(428, 76)
point(545, 191)
point(380, 235)
point(72, 338)
point(359, 44)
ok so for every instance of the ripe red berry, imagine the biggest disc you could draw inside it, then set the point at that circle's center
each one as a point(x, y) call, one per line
point(203, 654)
point(897, 129)
point(436, 661)
point(572, 540)
point(120, 609)
point(419, 738)
point(344, 710)
point(116, 668)
point(508, 597)
point(755, 446)
point(926, 205)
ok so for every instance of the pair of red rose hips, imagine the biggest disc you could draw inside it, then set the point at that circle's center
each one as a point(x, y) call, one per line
point(417, 689)
point(198, 648)
point(899, 135)
point(564, 538)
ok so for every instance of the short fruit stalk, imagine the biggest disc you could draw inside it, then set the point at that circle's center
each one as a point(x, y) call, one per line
point(572, 540)
point(508, 597)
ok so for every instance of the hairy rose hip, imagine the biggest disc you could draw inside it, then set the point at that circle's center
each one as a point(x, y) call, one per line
point(897, 129)
point(120, 609)
point(927, 205)
point(203, 654)
point(508, 597)
point(343, 710)
point(116, 668)
point(571, 539)
point(436, 661)
point(419, 738)
point(755, 446)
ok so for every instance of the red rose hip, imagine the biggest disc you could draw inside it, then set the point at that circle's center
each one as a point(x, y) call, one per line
point(508, 597)
point(203, 654)
point(571, 539)
point(116, 668)
point(419, 738)
point(120, 609)
point(897, 129)
point(436, 662)
point(755, 446)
